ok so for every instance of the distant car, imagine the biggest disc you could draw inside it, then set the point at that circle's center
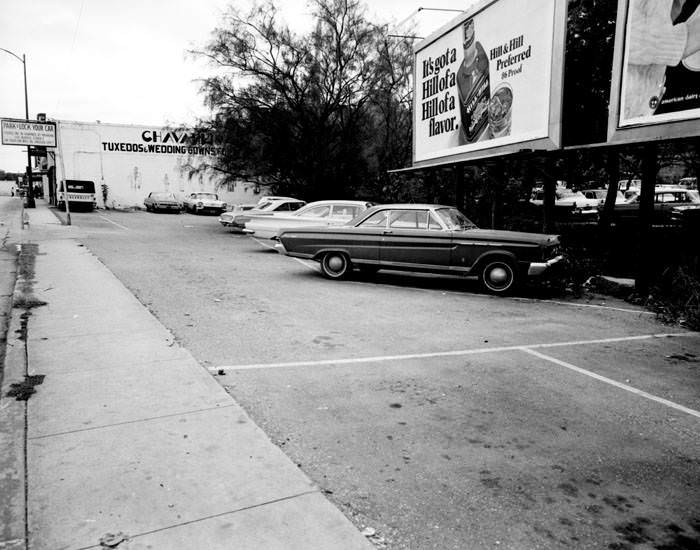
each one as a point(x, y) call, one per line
point(601, 194)
point(272, 207)
point(424, 238)
point(264, 199)
point(162, 201)
point(204, 203)
point(568, 202)
point(631, 193)
point(317, 213)
point(667, 200)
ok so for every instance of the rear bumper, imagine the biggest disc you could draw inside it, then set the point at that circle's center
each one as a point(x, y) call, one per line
point(538, 268)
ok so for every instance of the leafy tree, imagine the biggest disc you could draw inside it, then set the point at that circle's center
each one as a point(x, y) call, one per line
point(590, 41)
point(320, 115)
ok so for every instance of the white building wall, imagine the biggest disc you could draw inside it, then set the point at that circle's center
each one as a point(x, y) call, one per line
point(133, 160)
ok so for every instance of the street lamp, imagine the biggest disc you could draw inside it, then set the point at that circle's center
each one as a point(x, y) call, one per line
point(30, 189)
point(413, 37)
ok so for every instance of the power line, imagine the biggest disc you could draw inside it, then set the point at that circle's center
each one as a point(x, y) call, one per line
point(72, 48)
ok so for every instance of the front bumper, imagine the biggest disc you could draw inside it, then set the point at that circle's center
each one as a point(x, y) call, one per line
point(538, 268)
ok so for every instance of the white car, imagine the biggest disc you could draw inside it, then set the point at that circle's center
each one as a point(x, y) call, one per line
point(573, 202)
point(200, 203)
point(238, 219)
point(317, 213)
point(600, 194)
point(263, 200)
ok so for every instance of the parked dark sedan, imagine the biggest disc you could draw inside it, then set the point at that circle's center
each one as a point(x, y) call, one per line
point(424, 238)
point(671, 205)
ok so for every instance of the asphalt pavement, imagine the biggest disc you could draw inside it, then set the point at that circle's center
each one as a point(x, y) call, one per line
point(118, 437)
point(437, 416)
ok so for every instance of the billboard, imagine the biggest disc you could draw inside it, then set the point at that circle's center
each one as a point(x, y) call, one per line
point(28, 132)
point(490, 82)
point(655, 90)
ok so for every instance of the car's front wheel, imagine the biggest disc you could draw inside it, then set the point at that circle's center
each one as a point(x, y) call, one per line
point(335, 265)
point(498, 277)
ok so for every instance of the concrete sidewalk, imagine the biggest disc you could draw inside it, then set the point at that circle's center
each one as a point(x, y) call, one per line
point(127, 435)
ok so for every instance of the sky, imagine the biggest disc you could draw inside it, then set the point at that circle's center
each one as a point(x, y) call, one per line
point(126, 62)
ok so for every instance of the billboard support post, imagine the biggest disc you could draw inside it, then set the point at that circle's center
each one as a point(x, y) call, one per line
point(549, 188)
point(646, 214)
point(612, 168)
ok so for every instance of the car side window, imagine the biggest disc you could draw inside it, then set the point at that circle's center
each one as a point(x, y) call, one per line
point(401, 219)
point(318, 212)
point(345, 213)
point(409, 219)
point(433, 224)
point(295, 205)
point(378, 219)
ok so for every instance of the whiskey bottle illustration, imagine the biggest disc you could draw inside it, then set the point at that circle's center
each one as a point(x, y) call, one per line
point(473, 87)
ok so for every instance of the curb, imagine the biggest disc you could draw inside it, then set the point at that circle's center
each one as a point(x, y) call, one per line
point(13, 418)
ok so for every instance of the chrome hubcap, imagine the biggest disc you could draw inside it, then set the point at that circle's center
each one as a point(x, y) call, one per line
point(498, 276)
point(335, 263)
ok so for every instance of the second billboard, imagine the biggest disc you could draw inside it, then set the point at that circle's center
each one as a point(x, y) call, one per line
point(487, 81)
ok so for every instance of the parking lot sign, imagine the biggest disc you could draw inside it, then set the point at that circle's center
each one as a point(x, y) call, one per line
point(28, 132)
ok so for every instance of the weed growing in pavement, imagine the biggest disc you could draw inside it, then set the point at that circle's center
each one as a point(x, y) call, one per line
point(675, 297)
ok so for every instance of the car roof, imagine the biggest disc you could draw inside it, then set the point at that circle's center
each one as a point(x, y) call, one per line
point(412, 206)
point(277, 200)
point(350, 202)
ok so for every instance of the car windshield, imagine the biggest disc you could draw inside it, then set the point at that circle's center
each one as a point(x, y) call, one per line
point(163, 196)
point(208, 196)
point(454, 219)
point(267, 205)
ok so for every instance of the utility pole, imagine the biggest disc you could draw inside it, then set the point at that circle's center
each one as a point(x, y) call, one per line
point(30, 185)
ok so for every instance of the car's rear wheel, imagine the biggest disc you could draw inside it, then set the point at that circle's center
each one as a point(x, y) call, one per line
point(498, 276)
point(335, 265)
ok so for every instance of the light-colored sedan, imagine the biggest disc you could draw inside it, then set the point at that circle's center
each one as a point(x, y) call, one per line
point(237, 219)
point(568, 202)
point(162, 201)
point(601, 194)
point(317, 213)
point(201, 203)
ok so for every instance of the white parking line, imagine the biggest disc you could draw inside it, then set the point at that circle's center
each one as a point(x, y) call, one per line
point(262, 243)
point(115, 223)
point(598, 306)
point(613, 382)
point(455, 353)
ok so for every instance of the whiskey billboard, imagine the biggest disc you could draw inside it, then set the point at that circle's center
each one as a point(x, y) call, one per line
point(490, 82)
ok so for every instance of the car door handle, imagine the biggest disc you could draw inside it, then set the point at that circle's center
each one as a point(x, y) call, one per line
point(387, 232)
